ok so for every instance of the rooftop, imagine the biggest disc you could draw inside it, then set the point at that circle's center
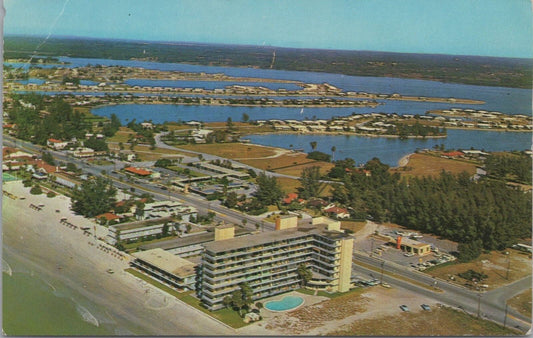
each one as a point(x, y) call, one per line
point(166, 261)
point(139, 224)
point(271, 237)
point(189, 240)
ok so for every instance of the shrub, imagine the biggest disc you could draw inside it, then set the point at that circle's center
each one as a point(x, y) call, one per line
point(51, 194)
point(36, 190)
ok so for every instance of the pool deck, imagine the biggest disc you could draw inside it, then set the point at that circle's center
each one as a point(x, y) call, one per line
point(308, 300)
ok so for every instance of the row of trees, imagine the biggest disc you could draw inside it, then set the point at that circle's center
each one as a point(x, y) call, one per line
point(516, 167)
point(483, 215)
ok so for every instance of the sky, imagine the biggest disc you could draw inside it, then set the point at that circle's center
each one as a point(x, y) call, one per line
point(460, 27)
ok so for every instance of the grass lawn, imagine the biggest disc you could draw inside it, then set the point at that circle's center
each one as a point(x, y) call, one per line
point(493, 264)
point(353, 226)
point(227, 316)
point(122, 135)
point(232, 150)
point(288, 185)
point(430, 165)
point(181, 170)
point(438, 322)
point(522, 303)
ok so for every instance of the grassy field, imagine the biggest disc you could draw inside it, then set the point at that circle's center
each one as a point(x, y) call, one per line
point(493, 264)
point(122, 135)
point(429, 165)
point(522, 303)
point(438, 322)
point(232, 150)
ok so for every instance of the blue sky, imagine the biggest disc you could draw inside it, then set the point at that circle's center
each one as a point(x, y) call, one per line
point(465, 27)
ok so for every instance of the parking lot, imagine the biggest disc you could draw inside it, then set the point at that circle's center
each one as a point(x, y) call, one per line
point(376, 244)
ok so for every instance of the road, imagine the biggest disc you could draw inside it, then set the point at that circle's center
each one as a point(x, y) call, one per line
point(491, 304)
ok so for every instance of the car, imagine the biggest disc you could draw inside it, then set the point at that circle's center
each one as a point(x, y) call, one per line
point(425, 307)
point(404, 308)
point(385, 285)
point(408, 254)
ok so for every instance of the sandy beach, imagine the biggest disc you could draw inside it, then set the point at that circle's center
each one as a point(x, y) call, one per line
point(64, 253)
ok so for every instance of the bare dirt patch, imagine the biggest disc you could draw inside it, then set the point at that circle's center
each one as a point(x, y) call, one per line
point(522, 303)
point(493, 264)
point(429, 165)
point(441, 321)
point(356, 227)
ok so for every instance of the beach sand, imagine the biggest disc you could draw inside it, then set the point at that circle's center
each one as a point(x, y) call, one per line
point(78, 260)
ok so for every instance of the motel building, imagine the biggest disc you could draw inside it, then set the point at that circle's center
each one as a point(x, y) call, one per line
point(269, 261)
point(167, 268)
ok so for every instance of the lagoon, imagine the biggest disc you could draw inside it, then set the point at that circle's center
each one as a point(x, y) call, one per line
point(391, 150)
point(503, 99)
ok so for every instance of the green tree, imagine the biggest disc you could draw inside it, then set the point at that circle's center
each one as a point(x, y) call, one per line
point(470, 250)
point(268, 190)
point(310, 181)
point(48, 158)
point(93, 197)
point(231, 199)
point(313, 145)
point(304, 273)
point(237, 300)
point(227, 301)
point(36, 190)
point(245, 117)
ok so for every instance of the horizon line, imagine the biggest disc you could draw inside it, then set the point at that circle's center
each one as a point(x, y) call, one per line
point(252, 45)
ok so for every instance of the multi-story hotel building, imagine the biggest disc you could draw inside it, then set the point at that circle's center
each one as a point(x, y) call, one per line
point(268, 262)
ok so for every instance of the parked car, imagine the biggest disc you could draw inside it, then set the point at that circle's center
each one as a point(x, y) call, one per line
point(425, 307)
point(404, 308)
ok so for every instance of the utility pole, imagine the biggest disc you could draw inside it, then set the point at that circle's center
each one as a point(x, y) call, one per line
point(478, 301)
point(508, 264)
point(381, 279)
point(505, 318)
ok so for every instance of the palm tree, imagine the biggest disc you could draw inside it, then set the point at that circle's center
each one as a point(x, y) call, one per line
point(333, 149)
point(313, 145)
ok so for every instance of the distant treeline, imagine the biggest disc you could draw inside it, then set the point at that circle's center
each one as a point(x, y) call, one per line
point(487, 71)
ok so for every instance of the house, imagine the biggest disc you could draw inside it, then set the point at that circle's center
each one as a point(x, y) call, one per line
point(290, 197)
point(56, 144)
point(453, 154)
point(337, 212)
point(108, 217)
point(138, 171)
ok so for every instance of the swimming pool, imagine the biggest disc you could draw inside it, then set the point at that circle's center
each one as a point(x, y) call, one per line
point(285, 304)
point(8, 177)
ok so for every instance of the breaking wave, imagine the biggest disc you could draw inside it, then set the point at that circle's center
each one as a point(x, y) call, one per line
point(87, 315)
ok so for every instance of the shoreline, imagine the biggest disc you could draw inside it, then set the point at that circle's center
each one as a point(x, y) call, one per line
point(77, 261)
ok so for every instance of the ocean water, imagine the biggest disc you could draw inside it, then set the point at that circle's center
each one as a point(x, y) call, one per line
point(35, 304)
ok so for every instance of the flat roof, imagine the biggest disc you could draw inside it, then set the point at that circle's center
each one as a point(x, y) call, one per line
point(272, 236)
point(189, 240)
point(412, 242)
point(166, 261)
point(140, 224)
